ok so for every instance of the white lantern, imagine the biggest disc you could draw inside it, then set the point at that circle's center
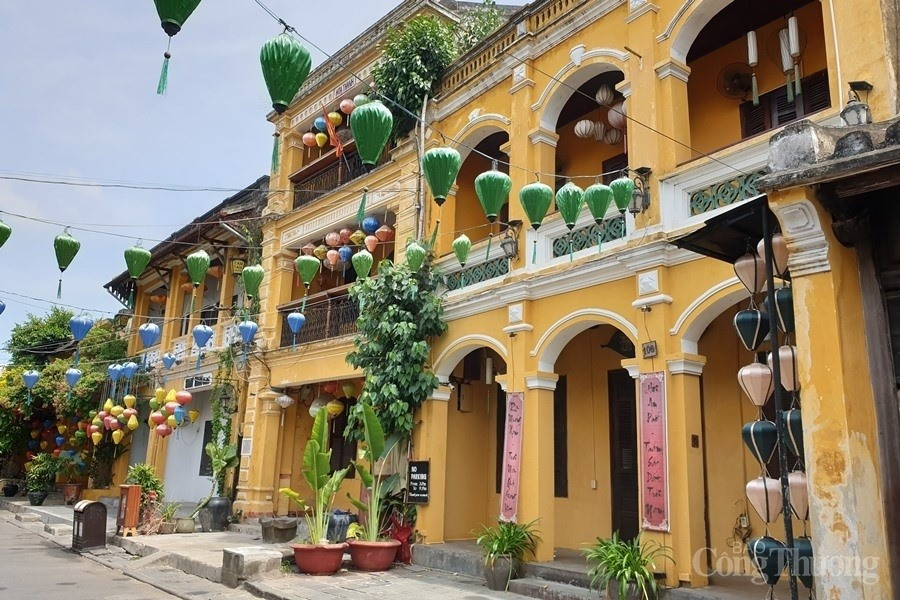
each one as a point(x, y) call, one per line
point(604, 95)
point(584, 129)
point(616, 115)
point(612, 136)
point(599, 131)
point(284, 401)
point(319, 403)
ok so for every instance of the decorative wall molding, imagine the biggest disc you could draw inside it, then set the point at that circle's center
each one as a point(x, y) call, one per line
point(674, 69)
point(457, 349)
point(727, 293)
point(560, 333)
point(324, 223)
point(652, 300)
point(544, 136)
point(686, 365)
point(640, 8)
point(805, 239)
point(541, 381)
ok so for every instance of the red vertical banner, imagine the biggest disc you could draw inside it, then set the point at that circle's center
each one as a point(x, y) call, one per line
point(512, 457)
point(654, 452)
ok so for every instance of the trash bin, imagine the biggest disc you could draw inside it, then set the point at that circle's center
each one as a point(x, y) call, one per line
point(89, 525)
point(278, 530)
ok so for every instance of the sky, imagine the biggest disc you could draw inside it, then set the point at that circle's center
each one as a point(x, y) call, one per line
point(78, 99)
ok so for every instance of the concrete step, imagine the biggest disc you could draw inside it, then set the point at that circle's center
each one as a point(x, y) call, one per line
point(58, 530)
point(28, 517)
point(558, 573)
point(448, 557)
point(550, 590)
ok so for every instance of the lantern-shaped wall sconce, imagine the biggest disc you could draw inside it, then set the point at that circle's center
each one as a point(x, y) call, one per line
point(857, 112)
point(510, 240)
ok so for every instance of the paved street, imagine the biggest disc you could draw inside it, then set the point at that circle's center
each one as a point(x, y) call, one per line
point(34, 568)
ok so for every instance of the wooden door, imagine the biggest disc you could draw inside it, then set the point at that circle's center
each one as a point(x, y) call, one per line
point(623, 454)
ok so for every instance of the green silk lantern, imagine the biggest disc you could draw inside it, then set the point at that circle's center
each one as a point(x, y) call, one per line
point(598, 198)
point(252, 276)
point(569, 201)
point(66, 247)
point(441, 166)
point(197, 266)
point(362, 263)
point(622, 189)
point(5, 232)
point(136, 259)
point(461, 247)
point(285, 66)
point(308, 267)
point(536, 198)
point(492, 188)
point(172, 15)
point(415, 256)
point(371, 125)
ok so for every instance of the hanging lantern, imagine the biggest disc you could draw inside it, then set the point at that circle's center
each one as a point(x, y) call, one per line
point(461, 247)
point(779, 253)
point(612, 136)
point(66, 247)
point(132, 423)
point(320, 251)
point(149, 334)
point(769, 556)
point(598, 197)
point(117, 436)
point(308, 249)
point(761, 438)
point(30, 378)
point(616, 115)
point(345, 234)
point(285, 65)
point(295, 320)
point(317, 405)
point(182, 397)
point(202, 334)
point(252, 277)
point(247, 329)
point(96, 437)
point(600, 131)
point(362, 263)
point(622, 189)
point(441, 166)
point(335, 118)
point(357, 237)
point(787, 357)
point(798, 483)
point(129, 369)
point(193, 415)
point(333, 257)
point(605, 95)
point(347, 106)
point(536, 199)
point(157, 417)
point(784, 308)
point(584, 128)
point(333, 239)
point(180, 415)
point(308, 267)
point(756, 381)
point(793, 422)
point(751, 271)
point(62, 428)
point(321, 140)
point(330, 387)
point(130, 400)
point(360, 99)
point(371, 243)
point(334, 407)
point(73, 376)
point(385, 233)
point(345, 254)
point(172, 15)
point(2, 306)
point(320, 124)
point(163, 430)
point(415, 256)
point(309, 140)
point(197, 267)
point(765, 496)
point(349, 389)
point(803, 559)
point(569, 202)
point(492, 188)
point(169, 360)
point(370, 225)
point(5, 232)
point(136, 260)
point(752, 327)
point(79, 325)
point(371, 124)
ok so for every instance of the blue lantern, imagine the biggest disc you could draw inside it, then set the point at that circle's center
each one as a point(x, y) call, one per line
point(2, 306)
point(48, 424)
point(60, 440)
point(296, 320)
point(80, 326)
point(320, 124)
point(346, 253)
point(149, 333)
point(168, 360)
point(30, 378)
point(32, 444)
point(180, 414)
point(114, 372)
point(370, 225)
point(202, 335)
point(129, 369)
point(73, 376)
point(248, 330)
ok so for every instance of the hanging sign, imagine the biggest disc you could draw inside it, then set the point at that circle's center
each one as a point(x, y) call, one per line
point(512, 457)
point(655, 492)
point(417, 488)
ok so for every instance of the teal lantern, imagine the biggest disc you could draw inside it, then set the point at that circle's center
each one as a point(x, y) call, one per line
point(441, 166)
point(172, 15)
point(66, 247)
point(492, 188)
point(252, 277)
point(622, 189)
point(285, 66)
point(415, 256)
point(371, 125)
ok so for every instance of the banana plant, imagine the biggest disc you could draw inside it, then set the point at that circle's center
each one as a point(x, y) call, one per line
point(221, 457)
point(376, 449)
point(316, 472)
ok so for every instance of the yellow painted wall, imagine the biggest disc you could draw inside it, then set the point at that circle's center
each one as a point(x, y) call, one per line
point(468, 215)
point(583, 156)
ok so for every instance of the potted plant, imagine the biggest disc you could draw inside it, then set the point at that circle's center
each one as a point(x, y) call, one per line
point(625, 569)
point(41, 478)
point(319, 556)
point(72, 467)
point(370, 550)
point(505, 547)
point(167, 514)
point(215, 510)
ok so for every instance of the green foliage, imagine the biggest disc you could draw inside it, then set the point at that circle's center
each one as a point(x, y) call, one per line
point(625, 564)
point(221, 457)
point(71, 467)
point(399, 311)
point(105, 454)
point(415, 56)
point(509, 540)
point(32, 343)
point(144, 475)
point(223, 390)
point(168, 511)
point(41, 476)
point(316, 468)
point(476, 24)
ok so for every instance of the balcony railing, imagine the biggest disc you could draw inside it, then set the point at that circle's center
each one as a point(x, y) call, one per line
point(346, 169)
point(328, 315)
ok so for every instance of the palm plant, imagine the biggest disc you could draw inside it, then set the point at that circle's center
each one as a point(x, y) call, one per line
point(619, 565)
point(316, 472)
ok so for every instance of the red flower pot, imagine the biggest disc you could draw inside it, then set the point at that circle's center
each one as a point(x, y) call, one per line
point(373, 556)
point(319, 559)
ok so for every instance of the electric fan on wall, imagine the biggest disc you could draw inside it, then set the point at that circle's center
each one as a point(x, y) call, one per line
point(735, 81)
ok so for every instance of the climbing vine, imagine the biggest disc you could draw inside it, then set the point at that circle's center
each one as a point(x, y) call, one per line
point(222, 396)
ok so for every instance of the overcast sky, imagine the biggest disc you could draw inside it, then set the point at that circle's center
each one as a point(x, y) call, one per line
point(78, 99)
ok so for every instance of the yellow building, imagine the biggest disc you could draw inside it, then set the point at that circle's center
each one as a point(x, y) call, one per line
point(581, 337)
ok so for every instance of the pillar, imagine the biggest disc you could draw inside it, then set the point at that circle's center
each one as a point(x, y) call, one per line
point(256, 484)
point(536, 499)
point(430, 443)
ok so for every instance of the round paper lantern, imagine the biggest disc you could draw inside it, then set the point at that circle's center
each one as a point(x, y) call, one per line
point(333, 239)
point(765, 496)
point(385, 233)
point(757, 382)
point(317, 405)
point(308, 249)
point(798, 483)
point(605, 95)
point(345, 253)
point(751, 271)
point(360, 99)
point(441, 166)
point(779, 253)
point(752, 327)
point(370, 225)
point(321, 139)
point(761, 438)
point(309, 139)
point(569, 201)
point(334, 407)
point(616, 115)
point(163, 430)
point(598, 197)
point(461, 247)
point(584, 128)
point(622, 189)
point(183, 397)
point(170, 407)
point(793, 422)
point(333, 257)
point(335, 118)
point(60, 440)
point(357, 237)
point(492, 188)
point(349, 389)
point(320, 252)
point(787, 358)
point(769, 556)
point(284, 401)
point(371, 243)
point(345, 234)
point(252, 277)
point(362, 263)
point(347, 106)
point(321, 125)
point(371, 124)
point(612, 136)
point(296, 320)
point(536, 199)
point(202, 335)
point(415, 256)
point(159, 394)
point(330, 387)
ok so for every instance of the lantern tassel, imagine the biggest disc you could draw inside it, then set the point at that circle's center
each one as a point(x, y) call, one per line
point(797, 90)
point(790, 88)
point(361, 211)
point(570, 247)
point(131, 296)
point(163, 84)
point(434, 235)
point(276, 152)
point(487, 255)
point(77, 348)
point(755, 89)
point(59, 288)
point(534, 253)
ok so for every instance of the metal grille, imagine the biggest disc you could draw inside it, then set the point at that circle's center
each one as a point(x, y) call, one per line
point(331, 177)
point(325, 319)
point(585, 237)
point(725, 193)
point(478, 273)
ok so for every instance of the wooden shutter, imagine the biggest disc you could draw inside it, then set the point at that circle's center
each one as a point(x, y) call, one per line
point(783, 110)
point(560, 440)
point(774, 109)
point(816, 93)
point(754, 119)
point(613, 166)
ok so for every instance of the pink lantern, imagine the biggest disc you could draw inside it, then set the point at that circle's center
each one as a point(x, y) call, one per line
point(309, 139)
point(129, 412)
point(385, 233)
point(371, 243)
point(157, 417)
point(779, 253)
point(114, 424)
point(107, 421)
point(308, 248)
point(787, 356)
point(183, 397)
point(94, 429)
point(163, 430)
point(333, 256)
point(170, 407)
point(751, 271)
point(756, 381)
point(333, 239)
point(347, 106)
point(345, 236)
point(797, 481)
point(765, 495)
point(331, 386)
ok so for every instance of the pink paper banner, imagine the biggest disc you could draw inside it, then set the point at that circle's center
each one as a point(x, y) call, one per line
point(512, 457)
point(654, 475)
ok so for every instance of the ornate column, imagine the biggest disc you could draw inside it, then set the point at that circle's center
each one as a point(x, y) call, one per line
point(430, 443)
point(259, 452)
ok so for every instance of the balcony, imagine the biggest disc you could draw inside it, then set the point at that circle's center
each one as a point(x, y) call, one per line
point(330, 314)
point(330, 177)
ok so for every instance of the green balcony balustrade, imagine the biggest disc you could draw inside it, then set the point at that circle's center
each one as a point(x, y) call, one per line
point(725, 193)
point(585, 237)
point(496, 267)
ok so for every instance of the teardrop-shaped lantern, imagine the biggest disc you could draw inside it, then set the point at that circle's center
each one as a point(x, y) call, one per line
point(333, 257)
point(751, 271)
point(765, 496)
point(569, 202)
point(362, 263)
point(252, 277)
point(798, 482)
point(73, 376)
point(80, 325)
point(371, 125)
point(492, 188)
point(66, 247)
point(308, 267)
point(415, 256)
point(784, 308)
point(787, 357)
point(248, 330)
point(371, 243)
point(370, 225)
point(536, 199)
point(5, 232)
point(169, 360)
point(761, 438)
point(202, 334)
point(197, 266)
point(136, 260)
point(803, 561)
point(2, 306)
point(779, 253)
point(30, 378)
point(173, 13)
point(598, 197)
point(793, 423)
point(441, 166)
point(461, 247)
point(752, 327)
point(285, 66)
point(149, 334)
point(757, 382)
point(769, 556)
point(296, 320)
point(130, 368)
point(622, 189)
point(385, 233)
point(114, 372)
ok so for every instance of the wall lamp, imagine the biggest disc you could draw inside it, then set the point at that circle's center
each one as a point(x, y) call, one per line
point(640, 196)
point(857, 112)
point(510, 240)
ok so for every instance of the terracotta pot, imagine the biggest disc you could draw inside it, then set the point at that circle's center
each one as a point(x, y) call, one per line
point(498, 574)
point(167, 528)
point(319, 559)
point(373, 556)
point(72, 492)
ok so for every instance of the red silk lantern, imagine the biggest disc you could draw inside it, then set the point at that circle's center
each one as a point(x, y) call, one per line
point(330, 387)
point(163, 430)
point(345, 235)
point(183, 397)
point(385, 233)
point(371, 243)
